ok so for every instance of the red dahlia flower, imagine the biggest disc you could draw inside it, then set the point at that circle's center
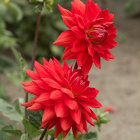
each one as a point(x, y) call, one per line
point(64, 95)
point(90, 36)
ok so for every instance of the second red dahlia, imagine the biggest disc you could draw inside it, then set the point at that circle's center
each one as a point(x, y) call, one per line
point(90, 36)
point(64, 95)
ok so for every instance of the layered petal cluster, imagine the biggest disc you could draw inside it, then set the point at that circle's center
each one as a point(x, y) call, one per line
point(64, 95)
point(90, 36)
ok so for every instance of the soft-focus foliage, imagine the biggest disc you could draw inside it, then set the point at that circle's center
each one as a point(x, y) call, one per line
point(131, 6)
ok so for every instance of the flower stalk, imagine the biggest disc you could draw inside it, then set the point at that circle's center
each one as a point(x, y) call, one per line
point(33, 55)
point(43, 134)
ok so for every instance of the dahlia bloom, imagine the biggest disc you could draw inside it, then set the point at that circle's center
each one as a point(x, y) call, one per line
point(64, 95)
point(90, 36)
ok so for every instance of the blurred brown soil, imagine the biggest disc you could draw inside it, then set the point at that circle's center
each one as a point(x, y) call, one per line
point(118, 81)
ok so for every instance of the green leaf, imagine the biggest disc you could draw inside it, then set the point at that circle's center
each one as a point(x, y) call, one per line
point(35, 1)
point(5, 62)
point(32, 131)
point(25, 137)
point(21, 62)
point(5, 136)
point(35, 118)
point(2, 26)
point(90, 136)
point(104, 114)
point(10, 111)
point(104, 120)
point(17, 106)
point(3, 94)
point(7, 41)
point(3, 122)
point(15, 10)
point(14, 77)
point(12, 130)
point(130, 6)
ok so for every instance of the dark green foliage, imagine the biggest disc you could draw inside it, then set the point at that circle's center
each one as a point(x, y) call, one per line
point(25, 137)
point(12, 130)
point(90, 136)
point(31, 129)
point(10, 111)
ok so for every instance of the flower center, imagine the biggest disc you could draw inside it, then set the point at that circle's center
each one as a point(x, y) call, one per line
point(97, 34)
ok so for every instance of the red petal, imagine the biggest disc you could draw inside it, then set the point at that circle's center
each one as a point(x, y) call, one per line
point(56, 95)
point(84, 124)
point(66, 123)
point(80, 127)
point(65, 39)
point(86, 68)
point(107, 16)
point(107, 55)
point(41, 84)
point(93, 115)
point(91, 10)
point(69, 21)
point(33, 90)
point(43, 97)
point(58, 129)
point(80, 21)
point(64, 12)
point(109, 44)
point(33, 75)
point(40, 69)
point(91, 92)
point(61, 110)
point(74, 130)
point(78, 46)
point(48, 114)
point(27, 83)
point(78, 32)
point(51, 83)
point(82, 58)
point(92, 103)
point(30, 103)
point(78, 7)
point(36, 106)
point(76, 116)
point(44, 124)
point(72, 104)
point(96, 59)
point(68, 54)
point(68, 92)
point(45, 62)
point(65, 133)
point(87, 117)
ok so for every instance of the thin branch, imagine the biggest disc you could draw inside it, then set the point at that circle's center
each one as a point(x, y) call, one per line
point(35, 40)
point(43, 134)
point(33, 55)
point(26, 100)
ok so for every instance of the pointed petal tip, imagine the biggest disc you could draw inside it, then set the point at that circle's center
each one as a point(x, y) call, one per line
point(24, 104)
